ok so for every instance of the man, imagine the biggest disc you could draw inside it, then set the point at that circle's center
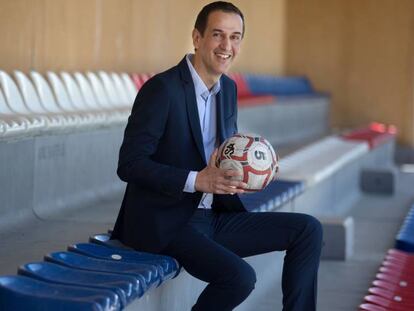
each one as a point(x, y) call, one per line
point(178, 203)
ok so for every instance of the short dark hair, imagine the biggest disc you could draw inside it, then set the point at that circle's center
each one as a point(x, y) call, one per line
point(202, 17)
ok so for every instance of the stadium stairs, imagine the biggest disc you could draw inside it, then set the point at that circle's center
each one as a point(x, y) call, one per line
point(60, 135)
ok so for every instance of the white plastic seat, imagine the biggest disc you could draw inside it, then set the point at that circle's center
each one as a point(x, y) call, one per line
point(121, 90)
point(10, 124)
point(112, 116)
point(102, 98)
point(315, 162)
point(16, 105)
point(78, 99)
point(114, 96)
point(99, 91)
point(32, 101)
point(130, 86)
point(49, 102)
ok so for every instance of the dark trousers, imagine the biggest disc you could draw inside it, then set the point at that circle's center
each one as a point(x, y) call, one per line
point(211, 246)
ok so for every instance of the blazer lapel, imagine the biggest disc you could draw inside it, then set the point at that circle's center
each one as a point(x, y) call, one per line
point(192, 111)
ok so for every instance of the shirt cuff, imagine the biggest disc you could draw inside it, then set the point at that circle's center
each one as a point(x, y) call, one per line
point(190, 182)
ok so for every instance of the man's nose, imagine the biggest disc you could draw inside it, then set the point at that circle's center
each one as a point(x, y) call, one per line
point(225, 44)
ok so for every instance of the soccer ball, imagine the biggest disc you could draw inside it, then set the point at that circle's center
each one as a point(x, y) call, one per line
point(253, 156)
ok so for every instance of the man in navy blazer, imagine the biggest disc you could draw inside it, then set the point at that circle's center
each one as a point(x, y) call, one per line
point(177, 201)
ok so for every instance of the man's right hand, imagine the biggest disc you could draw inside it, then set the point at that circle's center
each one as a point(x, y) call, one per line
point(216, 180)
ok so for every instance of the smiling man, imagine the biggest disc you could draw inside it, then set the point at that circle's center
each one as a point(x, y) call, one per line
point(178, 203)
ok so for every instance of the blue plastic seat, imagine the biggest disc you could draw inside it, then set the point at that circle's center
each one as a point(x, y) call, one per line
point(273, 196)
point(147, 274)
point(275, 85)
point(20, 293)
point(167, 266)
point(126, 287)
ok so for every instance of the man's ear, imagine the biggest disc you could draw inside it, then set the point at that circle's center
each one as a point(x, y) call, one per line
point(196, 38)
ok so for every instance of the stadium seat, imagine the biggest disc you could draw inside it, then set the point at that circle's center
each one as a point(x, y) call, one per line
point(65, 102)
point(126, 287)
point(49, 102)
point(20, 293)
point(387, 303)
point(278, 86)
point(147, 274)
point(371, 307)
point(117, 98)
point(121, 89)
point(374, 134)
point(103, 97)
point(140, 79)
point(10, 124)
point(167, 266)
point(78, 99)
point(130, 86)
point(273, 196)
point(33, 102)
point(405, 237)
point(16, 105)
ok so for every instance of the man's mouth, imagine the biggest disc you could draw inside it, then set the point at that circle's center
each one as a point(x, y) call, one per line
point(223, 56)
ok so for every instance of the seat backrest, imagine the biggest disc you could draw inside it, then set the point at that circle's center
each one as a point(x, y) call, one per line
point(62, 96)
point(12, 95)
point(130, 86)
point(121, 89)
point(74, 92)
point(114, 96)
point(45, 93)
point(29, 94)
point(99, 91)
point(4, 108)
point(87, 92)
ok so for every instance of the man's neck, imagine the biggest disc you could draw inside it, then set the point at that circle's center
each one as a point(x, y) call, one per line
point(209, 80)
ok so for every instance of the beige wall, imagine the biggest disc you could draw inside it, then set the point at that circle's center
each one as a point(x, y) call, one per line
point(126, 35)
point(362, 52)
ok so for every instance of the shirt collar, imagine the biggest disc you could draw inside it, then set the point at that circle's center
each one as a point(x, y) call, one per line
point(199, 85)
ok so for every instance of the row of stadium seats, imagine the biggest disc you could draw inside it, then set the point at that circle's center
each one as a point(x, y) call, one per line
point(29, 105)
point(393, 288)
point(264, 89)
point(33, 103)
point(103, 265)
point(89, 276)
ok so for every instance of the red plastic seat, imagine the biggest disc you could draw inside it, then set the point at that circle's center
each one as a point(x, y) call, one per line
point(371, 307)
point(374, 134)
point(388, 304)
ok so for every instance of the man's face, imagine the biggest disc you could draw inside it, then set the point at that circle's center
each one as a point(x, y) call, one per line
point(220, 44)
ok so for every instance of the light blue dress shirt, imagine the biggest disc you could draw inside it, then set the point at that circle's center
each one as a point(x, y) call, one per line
point(207, 112)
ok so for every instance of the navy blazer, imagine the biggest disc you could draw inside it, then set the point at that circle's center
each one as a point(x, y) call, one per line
point(162, 144)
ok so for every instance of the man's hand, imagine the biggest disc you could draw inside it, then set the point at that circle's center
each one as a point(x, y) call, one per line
point(216, 180)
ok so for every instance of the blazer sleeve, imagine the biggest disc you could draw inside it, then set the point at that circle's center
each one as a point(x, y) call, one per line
point(145, 128)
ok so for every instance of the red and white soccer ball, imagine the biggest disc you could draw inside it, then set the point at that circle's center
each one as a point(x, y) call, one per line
point(253, 156)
